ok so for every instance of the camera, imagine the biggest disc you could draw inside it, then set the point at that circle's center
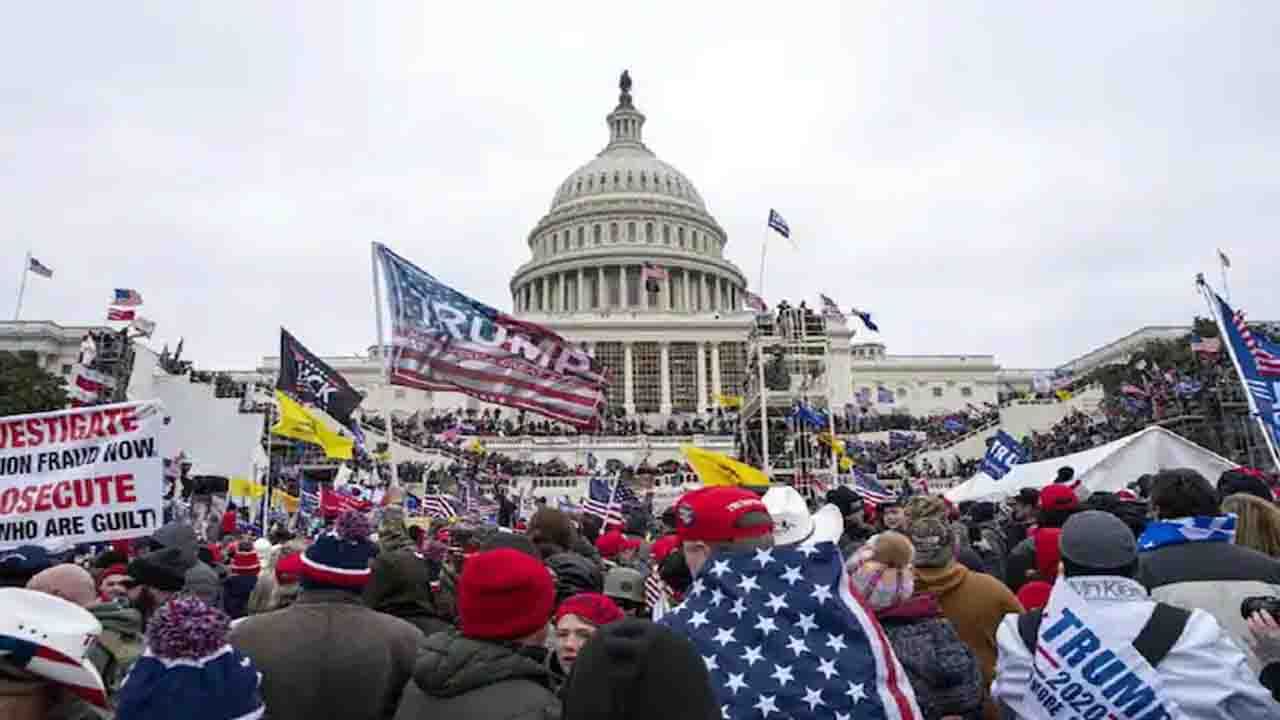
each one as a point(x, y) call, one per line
point(1260, 603)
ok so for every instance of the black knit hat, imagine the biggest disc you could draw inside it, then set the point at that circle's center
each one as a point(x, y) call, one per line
point(638, 670)
point(161, 569)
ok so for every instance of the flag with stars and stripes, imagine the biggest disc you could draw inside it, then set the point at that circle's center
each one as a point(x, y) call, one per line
point(1257, 361)
point(783, 637)
point(441, 507)
point(604, 500)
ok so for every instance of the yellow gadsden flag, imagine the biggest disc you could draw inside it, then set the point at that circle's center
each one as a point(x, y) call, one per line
point(728, 401)
point(717, 469)
point(300, 424)
point(243, 487)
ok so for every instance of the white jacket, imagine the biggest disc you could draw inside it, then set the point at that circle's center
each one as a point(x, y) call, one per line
point(1205, 673)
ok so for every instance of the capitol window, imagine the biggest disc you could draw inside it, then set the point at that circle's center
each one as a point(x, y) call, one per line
point(902, 392)
point(648, 232)
point(966, 392)
point(631, 232)
point(591, 181)
point(613, 232)
point(680, 236)
point(581, 235)
point(595, 233)
point(629, 178)
point(666, 234)
point(937, 392)
point(644, 180)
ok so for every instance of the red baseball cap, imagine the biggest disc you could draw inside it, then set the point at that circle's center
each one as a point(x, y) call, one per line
point(1058, 497)
point(662, 547)
point(708, 514)
point(612, 543)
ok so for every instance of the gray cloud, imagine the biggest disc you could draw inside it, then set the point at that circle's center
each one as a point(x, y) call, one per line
point(1020, 180)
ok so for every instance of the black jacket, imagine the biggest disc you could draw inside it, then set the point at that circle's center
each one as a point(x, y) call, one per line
point(463, 679)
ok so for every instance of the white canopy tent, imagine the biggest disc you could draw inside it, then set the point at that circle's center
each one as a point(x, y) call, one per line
point(1107, 467)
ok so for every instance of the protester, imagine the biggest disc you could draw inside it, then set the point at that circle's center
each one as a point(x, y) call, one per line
point(19, 565)
point(974, 602)
point(1246, 481)
point(288, 580)
point(1036, 558)
point(1257, 522)
point(190, 671)
point(1189, 558)
point(892, 514)
point(120, 642)
point(987, 538)
point(37, 631)
point(1200, 670)
point(856, 530)
point(114, 582)
point(236, 589)
point(615, 547)
point(574, 574)
point(636, 670)
point(199, 578)
point(495, 664)
point(1035, 594)
point(1264, 641)
point(577, 620)
point(364, 657)
point(400, 586)
point(1022, 516)
point(942, 669)
point(157, 576)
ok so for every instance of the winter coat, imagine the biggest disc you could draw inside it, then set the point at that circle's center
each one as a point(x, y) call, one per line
point(975, 603)
point(119, 645)
point(401, 587)
point(1214, 577)
point(1022, 560)
point(329, 656)
point(463, 679)
point(990, 545)
point(942, 669)
point(235, 594)
point(1204, 673)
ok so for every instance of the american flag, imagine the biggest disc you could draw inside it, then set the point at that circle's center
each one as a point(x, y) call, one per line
point(778, 223)
point(657, 595)
point(652, 270)
point(445, 341)
point(783, 637)
point(754, 301)
point(442, 507)
point(1206, 346)
point(869, 489)
point(126, 297)
point(39, 268)
point(309, 492)
point(604, 500)
point(119, 315)
point(830, 308)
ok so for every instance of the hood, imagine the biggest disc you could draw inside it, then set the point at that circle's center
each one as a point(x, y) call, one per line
point(940, 581)
point(203, 582)
point(118, 617)
point(179, 535)
point(450, 665)
point(400, 580)
point(917, 607)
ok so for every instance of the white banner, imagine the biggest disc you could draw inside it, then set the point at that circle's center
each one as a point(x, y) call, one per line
point(84, 475)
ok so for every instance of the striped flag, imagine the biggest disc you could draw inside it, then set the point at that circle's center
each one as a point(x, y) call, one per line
point(115, 314)
point(1265, 355)
point(442, 340)
point(754, 301)
point(652, 270)
point(830, 308)
point(126, 297)
point(439, 506)
point(779, 224)
point(869, 489)
point(39, 268)
point(657, 595)
point(603, 502)
point(1206, 346)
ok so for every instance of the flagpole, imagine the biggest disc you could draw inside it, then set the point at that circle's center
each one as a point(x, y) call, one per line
point(1214, 308)
point(386, 361)
point(764, 245)
point(22, 285)
point(1222, 265)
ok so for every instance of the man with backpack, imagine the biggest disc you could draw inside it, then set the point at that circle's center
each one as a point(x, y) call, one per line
point(1191, 668)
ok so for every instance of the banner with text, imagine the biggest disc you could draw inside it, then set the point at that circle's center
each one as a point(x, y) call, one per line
point(89, 474)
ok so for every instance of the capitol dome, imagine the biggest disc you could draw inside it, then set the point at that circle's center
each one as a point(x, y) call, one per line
point(623, 211)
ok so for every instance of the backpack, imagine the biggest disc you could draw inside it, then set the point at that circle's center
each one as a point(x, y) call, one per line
point(1154, 641)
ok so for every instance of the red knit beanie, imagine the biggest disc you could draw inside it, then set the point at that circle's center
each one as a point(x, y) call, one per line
point(504, 594)
point(1035, 594)
point(1048, 552)
point(594, 608)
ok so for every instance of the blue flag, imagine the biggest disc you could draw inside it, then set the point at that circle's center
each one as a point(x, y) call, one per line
point(783, 637)
point(806, 415)
point(777, 222)
point(1004, 453)
point(1258, 360)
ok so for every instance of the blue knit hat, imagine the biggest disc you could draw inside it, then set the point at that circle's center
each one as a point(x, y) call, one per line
point(340, 558)
point(189, 665)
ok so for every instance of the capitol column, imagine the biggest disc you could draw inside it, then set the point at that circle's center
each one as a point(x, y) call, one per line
point(628, 387)
point(622, 287)
point(546, 294)
point(582, 290)
point(716, 387)
point(688, 291)
point(664, 374)
point(702, 378)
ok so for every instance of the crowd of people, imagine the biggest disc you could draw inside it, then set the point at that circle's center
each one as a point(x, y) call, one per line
point(553, 615)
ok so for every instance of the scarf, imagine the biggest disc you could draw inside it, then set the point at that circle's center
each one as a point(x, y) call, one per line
point(1201, 528)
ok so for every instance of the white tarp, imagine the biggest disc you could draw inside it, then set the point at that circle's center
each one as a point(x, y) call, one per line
point(1107, 467)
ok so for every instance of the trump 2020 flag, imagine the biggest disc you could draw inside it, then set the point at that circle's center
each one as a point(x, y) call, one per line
point(1258, 361)
point(1004, 453)
point(783, 637)
point(442, 340)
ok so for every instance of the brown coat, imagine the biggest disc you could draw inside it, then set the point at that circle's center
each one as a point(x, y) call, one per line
point(975, 603)
point(329, 656)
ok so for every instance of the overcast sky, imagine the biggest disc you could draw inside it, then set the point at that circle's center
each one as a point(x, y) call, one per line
point(997, 178)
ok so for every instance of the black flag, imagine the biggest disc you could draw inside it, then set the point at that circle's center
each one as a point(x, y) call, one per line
point(311, 380)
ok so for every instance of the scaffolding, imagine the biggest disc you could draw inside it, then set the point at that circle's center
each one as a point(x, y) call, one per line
point(113, 357)
point(789, 365)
